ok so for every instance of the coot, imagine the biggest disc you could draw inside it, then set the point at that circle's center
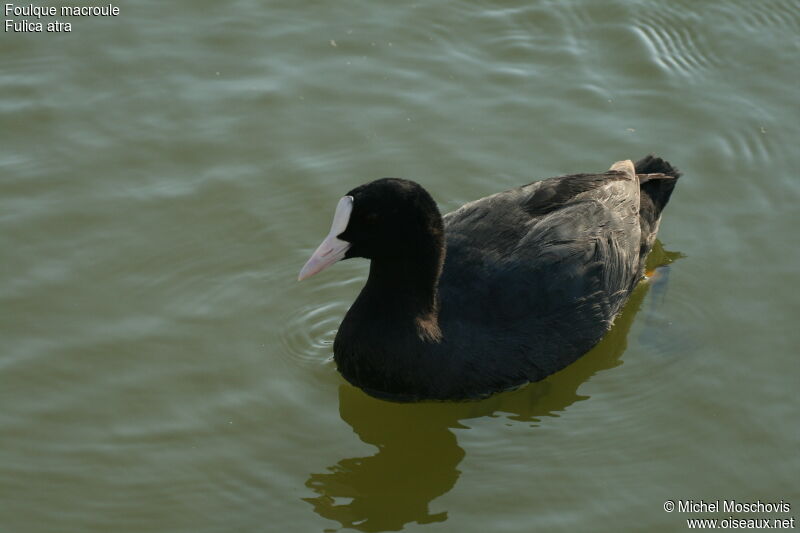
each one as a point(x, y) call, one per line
point(506, 290)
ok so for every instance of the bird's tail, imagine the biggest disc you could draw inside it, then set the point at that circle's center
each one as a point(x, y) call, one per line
point(657, 179)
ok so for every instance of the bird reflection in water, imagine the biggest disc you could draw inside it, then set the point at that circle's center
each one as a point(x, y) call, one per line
point(418, 454)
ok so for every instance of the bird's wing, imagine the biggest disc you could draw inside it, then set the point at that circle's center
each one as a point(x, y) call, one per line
point(548, 262)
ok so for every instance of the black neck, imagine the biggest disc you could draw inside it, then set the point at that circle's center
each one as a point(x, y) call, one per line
point(411, 282)
point(404, 288)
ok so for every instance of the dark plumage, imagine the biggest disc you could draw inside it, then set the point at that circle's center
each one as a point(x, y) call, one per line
point(505, 290)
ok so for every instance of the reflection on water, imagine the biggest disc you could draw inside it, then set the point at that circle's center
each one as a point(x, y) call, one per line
point(416, 462)
point(418, 455)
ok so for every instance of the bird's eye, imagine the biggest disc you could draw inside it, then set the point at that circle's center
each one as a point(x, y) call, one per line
point(371, 218)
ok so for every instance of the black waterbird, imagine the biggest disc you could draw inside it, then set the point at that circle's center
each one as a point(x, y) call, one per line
point(503, 291)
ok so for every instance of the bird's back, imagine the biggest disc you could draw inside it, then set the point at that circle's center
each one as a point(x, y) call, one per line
point(538, 273)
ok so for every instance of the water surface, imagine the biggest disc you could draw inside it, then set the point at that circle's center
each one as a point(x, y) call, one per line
point(166, 173)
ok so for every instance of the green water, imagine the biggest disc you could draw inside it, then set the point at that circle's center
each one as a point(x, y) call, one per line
point(165, 173)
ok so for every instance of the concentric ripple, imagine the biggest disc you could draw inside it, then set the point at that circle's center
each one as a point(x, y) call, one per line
point(767, 16)
point(677, 44)
point(310, 331)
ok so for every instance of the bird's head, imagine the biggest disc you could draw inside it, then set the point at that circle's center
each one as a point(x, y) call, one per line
point(385, 219)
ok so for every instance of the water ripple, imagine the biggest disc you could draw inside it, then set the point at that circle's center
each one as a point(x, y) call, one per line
point(676, 46)
point(310, 331)
point(770, 16)
point(750, 145)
